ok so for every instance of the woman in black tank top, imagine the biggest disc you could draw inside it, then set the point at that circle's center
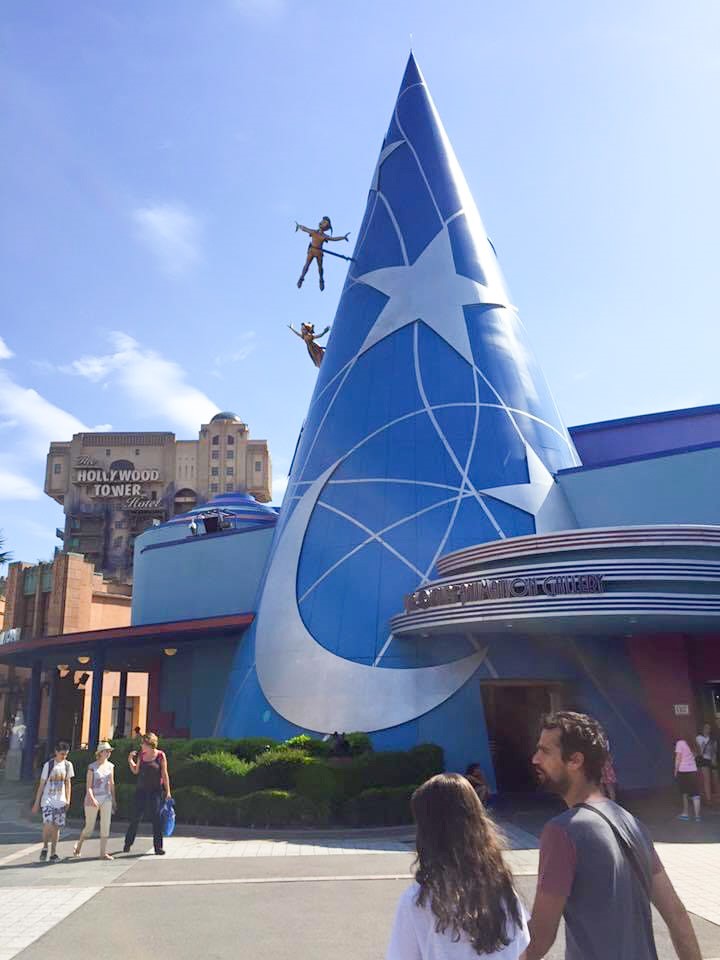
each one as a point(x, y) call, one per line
point(149, 765)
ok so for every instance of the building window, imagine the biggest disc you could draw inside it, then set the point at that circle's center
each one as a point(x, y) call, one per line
point(215, 454)
point(107, 453)
point(258, 466)
point(57, 468)
point(216, 440)
point(120, 524)
point(153, 494)
point(30, 582)
point(118, 542)
point(229, 487)
point(215, 471)
point(132, 709)
point(214, 488)
point(137, 453)
point(229, 471)
point(230, 440)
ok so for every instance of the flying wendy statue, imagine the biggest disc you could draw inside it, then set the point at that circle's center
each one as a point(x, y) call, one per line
point(315, 249)
point(307, 333)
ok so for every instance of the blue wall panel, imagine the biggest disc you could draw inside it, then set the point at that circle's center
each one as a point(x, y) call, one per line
point(198, 576)
point(680, 488)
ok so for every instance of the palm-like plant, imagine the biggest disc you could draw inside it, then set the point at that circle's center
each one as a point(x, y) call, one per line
point(5, 555)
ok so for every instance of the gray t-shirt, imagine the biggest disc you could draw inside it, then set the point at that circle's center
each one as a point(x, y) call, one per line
point(607, 912)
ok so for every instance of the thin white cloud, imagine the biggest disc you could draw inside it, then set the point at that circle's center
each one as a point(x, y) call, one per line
point(5, 351)
point(38, 420)
point(29, 423)
point(237, 353)
point(13, 486)
point(156, 386)
point(171, 233)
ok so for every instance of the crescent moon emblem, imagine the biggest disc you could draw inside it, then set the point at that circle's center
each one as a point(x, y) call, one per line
point(316, 689)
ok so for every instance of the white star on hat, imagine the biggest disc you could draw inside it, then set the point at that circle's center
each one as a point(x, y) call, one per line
point(430, 290)
point(540, 496)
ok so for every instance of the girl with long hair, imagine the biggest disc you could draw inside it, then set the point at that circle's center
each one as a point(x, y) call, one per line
point(463, 903)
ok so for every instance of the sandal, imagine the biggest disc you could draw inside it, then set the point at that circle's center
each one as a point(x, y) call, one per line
point(107, 856)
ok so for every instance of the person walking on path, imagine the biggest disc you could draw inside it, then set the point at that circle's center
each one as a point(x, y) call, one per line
point(598, 867)
point(707, 759)
point(686, 775)
point(462, 904)
point(53, 798)
point(149, 765)
point(99, 799)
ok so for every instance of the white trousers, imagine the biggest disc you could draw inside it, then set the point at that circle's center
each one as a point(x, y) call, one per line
point(105, 811)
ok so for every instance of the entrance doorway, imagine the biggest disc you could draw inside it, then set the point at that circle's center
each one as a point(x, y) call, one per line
point(512, 714)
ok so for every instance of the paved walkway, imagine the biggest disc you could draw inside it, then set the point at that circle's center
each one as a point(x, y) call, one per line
point(330, 888)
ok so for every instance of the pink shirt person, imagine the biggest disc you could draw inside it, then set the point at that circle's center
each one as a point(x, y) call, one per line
point(687, 762)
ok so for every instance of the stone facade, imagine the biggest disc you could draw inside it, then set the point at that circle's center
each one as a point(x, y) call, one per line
point(112, 486)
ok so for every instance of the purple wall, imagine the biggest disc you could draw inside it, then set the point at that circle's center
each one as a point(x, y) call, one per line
point(613, 440)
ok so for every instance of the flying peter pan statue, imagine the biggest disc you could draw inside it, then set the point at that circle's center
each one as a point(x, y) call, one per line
point(315, 249)
point(307, 333)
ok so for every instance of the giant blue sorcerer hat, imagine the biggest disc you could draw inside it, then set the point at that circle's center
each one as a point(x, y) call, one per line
point(431, 428)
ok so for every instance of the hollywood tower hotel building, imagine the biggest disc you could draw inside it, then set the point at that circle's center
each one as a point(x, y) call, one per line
point(112, 486)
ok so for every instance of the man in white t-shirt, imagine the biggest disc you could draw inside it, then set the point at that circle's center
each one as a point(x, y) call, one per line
point(53, 798)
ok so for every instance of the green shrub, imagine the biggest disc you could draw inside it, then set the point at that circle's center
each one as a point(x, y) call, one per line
point(427, 759)
point(274, 808)
point(252, 747)
point(125, 795)
point(392, 768)
point(309, 746)
point(380, 806)
point(200, 805)
point(318, 783)
point(278, 768)
point(222, 773)
point(359, 743)
point(197, 748)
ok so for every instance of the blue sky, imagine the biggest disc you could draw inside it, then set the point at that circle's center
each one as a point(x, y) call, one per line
point(157, 154)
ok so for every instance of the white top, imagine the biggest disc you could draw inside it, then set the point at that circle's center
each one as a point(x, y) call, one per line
point(102, 775)
point(53, 794)
point(414, 936)
point(706, 746)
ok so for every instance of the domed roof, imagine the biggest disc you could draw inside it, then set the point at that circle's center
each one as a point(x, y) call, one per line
point(241, 508)
point(226, 415)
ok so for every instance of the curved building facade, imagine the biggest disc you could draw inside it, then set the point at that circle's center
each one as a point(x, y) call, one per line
point(431, 428)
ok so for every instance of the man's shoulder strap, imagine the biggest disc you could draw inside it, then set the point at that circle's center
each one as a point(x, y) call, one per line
point(627, 848)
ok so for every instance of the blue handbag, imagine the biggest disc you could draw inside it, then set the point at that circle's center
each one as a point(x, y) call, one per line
point(167, 817)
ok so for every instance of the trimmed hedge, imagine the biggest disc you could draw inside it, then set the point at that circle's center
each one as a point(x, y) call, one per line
point(380, 806)
point(278, 768)
point(223, 773)
point(200, 805)
point(223, 781)
point(275, 808)
point(252, 747)
point(318, 783)
point(309, 746)
point(393, 768)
